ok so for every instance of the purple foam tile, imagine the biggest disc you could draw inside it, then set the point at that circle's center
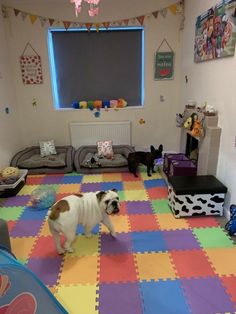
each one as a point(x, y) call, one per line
point(52, 179)
point(90, 187)
point(180, 240)
point(120, 244)
point(139, 207)
point(26, 228)
point(47, 269)
point(18, 200)
point(119, 298)
point(207, 295)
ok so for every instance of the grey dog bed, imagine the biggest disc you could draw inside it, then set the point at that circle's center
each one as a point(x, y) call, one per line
point(118, 164)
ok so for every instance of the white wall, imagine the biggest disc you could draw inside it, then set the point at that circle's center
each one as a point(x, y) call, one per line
point(214, 82)
point(43, 122)
point(10, 140)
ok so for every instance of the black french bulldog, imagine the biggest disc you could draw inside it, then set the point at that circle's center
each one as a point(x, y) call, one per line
point(146, 158)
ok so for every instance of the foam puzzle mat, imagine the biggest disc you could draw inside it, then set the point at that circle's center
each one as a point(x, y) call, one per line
point(157, 264)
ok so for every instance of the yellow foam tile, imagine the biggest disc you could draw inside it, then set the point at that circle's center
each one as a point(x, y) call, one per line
point(45, 229)
point(112, 177)
point(21, 247)
point(84, 246)
point(68, 188)
point(120, 223)
point(79, 270)
point(155, 175)
point(169, 222)
point(133, 185)
point(78, 299)
point(136, 195)
point(155, 266)
point(92, 178)
point(27, 189)
point(222, 260)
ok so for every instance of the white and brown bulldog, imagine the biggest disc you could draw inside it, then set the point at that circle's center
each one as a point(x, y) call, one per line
point(87, 209)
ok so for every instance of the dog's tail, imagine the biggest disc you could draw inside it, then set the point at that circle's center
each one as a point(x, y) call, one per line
point(59, 207)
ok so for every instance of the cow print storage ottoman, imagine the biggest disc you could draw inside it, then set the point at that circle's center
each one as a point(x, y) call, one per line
point(196, 195)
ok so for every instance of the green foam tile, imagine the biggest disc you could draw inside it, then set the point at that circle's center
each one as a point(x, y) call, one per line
point(212, 237)
point(11, 213)
point(160, 206)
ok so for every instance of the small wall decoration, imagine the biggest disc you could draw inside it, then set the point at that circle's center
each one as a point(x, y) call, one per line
point(215, 32)
point(31, 69)
point(164, 63)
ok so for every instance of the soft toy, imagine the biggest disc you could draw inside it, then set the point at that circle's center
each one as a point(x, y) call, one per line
point(10, 172)
point(231, 224)
point(121, 103)
point(97, 104)
point(197, 130)
point(179, 118)
point(83, 104)
point(188, 123)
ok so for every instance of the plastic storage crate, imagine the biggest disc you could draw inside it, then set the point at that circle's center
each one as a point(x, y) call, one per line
point(169, 157)
point(182, 168)
point(7, 190)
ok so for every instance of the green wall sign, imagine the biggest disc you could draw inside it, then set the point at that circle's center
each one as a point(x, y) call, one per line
point(164, 65)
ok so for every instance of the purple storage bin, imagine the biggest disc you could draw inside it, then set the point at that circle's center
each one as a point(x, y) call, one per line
point(182, 168)
point(169, 157)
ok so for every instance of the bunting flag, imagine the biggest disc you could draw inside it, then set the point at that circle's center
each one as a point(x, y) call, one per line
point(140, 19)
point(33, 18)
point(163, 12)
point(66, 24)
point(16, 12)
point(175, 8)
point(43, 20)
point(155, 14)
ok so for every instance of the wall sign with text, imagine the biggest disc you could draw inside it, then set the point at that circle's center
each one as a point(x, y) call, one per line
point(31, 68)
point(164, 65)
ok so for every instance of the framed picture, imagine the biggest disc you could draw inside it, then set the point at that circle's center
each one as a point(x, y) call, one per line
point(215, 32)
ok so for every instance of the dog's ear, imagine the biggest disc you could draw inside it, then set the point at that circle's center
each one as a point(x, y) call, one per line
point(160, 148)
point(152, 148)
point(100, 195)
point(114, 190)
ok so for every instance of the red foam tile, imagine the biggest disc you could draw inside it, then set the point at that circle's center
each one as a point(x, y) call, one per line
point(143, 222)
point(202, 222)
point(11, 224)
point(59, 196)
point(126, 176)
point(230, 284)
point(191, 263)
point(44, 247)
point(123, 208)
point(34, 180)
point(117, 268)
point(157, 193)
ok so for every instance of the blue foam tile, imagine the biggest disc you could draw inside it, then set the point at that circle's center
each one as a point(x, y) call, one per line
point(72, 179)
point(33, 214)
point(112, 185)
point(148, 184)
point(80, 229)
point(152, 241)
point(163, 297)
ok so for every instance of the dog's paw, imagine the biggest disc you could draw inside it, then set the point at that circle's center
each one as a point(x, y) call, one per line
point(149, 174)
point(61, 251)
point(113, 234)
point(70, 250)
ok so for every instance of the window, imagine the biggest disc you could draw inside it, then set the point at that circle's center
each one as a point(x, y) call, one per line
point(93, 65)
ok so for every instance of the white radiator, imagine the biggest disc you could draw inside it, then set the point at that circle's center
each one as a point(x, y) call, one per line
point(88, 133)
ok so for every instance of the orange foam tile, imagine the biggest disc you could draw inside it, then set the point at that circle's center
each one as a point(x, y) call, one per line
point(69, 188)
point(155, 266)
point(169, 222)
point(84, 246)
point(79, 270)
point(45, 229)
point(120, 223)
point(143, 222)
point(21, 247)
point(223, 260)
point(112, 177)
point(133, 185)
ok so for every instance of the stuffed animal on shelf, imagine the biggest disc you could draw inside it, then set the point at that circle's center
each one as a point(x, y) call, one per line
point(197, 130)
point(231, 224)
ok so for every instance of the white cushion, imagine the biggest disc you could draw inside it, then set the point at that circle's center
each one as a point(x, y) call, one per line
point(105, 149)
point(47, 148)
